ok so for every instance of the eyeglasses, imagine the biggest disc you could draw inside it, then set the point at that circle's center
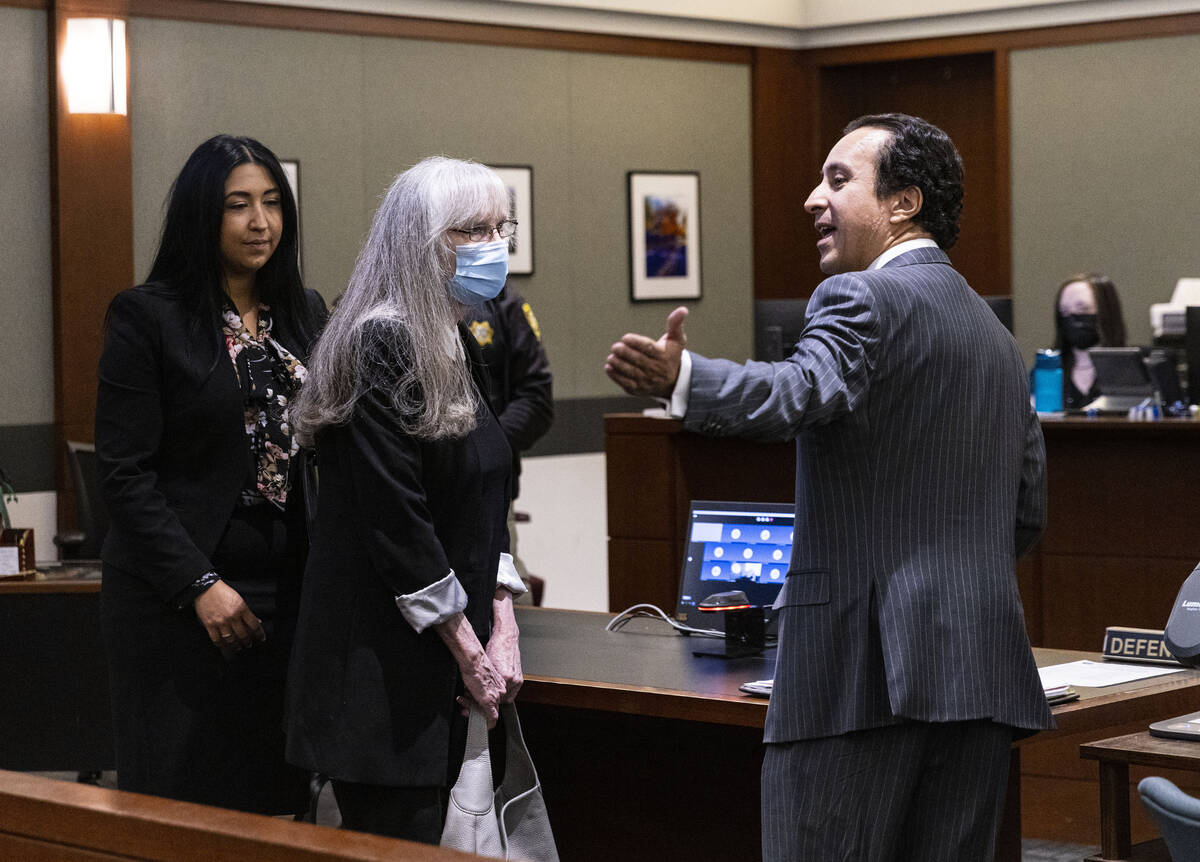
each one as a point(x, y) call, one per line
point(481, 232)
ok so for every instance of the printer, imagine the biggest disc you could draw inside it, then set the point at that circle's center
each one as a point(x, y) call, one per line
point(1170, 318)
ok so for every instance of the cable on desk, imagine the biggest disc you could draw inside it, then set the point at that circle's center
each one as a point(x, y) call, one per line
point(654, 612)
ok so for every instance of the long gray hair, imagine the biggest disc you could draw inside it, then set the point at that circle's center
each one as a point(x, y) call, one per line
point(401, 285)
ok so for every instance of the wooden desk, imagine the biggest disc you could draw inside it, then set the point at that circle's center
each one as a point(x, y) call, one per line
point(57, 714)
point(1115, 757)
point(638, 743)
point(635, 737)
point(644, 751)
point(654, 469)
point(1121, 536)
point(1118, 543)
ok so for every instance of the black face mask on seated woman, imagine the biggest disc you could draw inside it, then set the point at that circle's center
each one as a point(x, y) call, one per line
point(1079, 330)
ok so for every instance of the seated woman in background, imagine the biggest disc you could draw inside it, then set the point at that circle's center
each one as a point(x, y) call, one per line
point(206, 546)
point(407, 605)
point(1087, 313)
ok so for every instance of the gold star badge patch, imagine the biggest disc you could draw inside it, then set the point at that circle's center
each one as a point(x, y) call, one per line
point(482, 330)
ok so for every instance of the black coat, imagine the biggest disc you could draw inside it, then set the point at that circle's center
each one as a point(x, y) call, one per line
point(369, 699)
point(170, 436)
point(190, 722)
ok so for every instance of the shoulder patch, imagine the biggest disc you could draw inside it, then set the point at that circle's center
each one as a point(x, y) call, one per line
point(533, 324)
point(482, 330)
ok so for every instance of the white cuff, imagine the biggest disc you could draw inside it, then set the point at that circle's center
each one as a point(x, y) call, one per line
point(678, 405)
point(433, 604)
point(507, 577)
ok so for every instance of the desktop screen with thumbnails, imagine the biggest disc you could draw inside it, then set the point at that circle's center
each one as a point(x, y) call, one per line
point(734, 546)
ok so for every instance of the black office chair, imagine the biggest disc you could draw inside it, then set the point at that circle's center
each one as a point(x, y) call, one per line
point(91, 519)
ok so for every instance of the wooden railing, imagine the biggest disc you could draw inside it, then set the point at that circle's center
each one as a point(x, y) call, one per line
point(42, 819)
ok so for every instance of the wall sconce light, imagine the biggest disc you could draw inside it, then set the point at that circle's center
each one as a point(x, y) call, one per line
point(93, 66)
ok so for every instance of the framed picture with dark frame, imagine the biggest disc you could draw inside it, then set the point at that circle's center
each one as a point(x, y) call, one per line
point(519, 180)
point(291, 170)
point(664, 235)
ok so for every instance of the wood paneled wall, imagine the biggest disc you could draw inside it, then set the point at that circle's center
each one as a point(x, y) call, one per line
point(785, 138)
point(956, 93)
point(959, 83)
point(801, 99)
point(91, 227)
point(366, 24)
point(91, 168)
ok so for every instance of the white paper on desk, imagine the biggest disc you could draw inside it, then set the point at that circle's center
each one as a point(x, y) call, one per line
point(1097, 674)
point(10, 560)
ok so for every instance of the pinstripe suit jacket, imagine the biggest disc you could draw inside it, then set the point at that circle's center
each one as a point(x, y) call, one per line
point(920, 477)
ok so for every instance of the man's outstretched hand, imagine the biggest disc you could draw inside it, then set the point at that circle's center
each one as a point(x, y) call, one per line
point(649, 368)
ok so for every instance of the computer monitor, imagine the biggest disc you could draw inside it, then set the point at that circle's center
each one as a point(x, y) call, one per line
point(734, 546)
point(777, 327)
point(1003, 309)
point(1122, 379)
point(779, 322)
point(1192, 353)
point(1121, 371)
point(1162, 363)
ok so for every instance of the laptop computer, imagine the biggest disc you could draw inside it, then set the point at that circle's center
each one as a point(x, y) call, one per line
point(734, 546)
point(1182, 727)
point(1122, 378)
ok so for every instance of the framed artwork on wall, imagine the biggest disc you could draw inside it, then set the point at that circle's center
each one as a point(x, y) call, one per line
point(664, 235)
point(519, 180)
point(291, 170)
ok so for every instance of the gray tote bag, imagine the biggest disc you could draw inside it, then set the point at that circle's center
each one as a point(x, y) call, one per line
point(509, 822)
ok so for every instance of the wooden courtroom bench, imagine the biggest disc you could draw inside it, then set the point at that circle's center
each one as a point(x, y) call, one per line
point(42, 819)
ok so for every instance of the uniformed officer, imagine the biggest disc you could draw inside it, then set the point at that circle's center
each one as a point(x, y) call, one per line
point(511, 342)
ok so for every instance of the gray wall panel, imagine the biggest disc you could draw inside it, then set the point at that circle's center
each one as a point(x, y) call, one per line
point(299, 93)
point(357, 110)
point(26, 318)
point(1105, 176)
point(652, 115)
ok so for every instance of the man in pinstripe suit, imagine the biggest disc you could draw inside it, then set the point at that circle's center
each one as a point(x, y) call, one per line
point(904, 670)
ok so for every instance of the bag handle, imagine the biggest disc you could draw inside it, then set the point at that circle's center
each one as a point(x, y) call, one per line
point(473, 791)
point(520, 776)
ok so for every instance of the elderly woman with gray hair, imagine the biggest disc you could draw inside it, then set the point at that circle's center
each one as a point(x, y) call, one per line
point(406, 614)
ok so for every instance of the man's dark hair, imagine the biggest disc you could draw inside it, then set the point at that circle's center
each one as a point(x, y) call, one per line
point(922, 155)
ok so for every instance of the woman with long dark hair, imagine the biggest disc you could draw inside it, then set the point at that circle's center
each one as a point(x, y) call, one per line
point(199, 471)
point(407, 608)
point(1087, 313)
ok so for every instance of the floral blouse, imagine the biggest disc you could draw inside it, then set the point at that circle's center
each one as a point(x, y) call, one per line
point(269, 377)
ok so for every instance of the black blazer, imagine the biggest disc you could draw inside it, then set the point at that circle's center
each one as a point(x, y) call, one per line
point(170, 437)
point(371, 700)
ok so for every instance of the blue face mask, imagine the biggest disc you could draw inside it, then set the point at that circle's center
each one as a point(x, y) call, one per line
point(480, 270)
